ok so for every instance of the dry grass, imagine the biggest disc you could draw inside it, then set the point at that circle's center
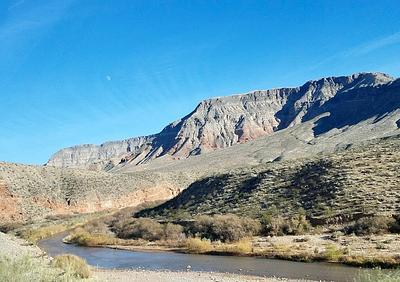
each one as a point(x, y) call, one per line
point(35, 234)
point(29, 269)
point(72, 264)
point(198, 246)
point(83, 238)
point(242, 247)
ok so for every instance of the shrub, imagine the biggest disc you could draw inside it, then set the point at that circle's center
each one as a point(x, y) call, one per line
point(371, 225)
point(198, 246)
point(226, 228)
point(333, 253)
point(11, 226)
point(83, 238)
point(395, 226)
point(73, 264)
point(173, 231)
point(144, 228)
point(97, 227)
point(275, 225)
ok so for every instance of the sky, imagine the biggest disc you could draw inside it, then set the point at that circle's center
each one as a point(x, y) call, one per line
point(79, 72)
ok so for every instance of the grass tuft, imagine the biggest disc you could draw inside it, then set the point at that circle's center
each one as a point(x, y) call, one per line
point(72, 264)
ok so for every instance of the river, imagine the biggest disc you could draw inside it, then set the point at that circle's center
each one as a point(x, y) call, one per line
point(121, 259)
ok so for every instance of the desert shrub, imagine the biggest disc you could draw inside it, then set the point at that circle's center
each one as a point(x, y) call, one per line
point(371, 225)
point(144, 228)
point(226, 228)
point(333, 253)
point(72, 264)
point(10, 226)
point(147, 229)
point(97, 226)
point(198, 246)
point(82, 237)
point(173, 231)
point(55, 217)
point(275, 225)
point(395, 226)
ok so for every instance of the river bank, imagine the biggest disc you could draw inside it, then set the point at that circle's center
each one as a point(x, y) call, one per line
point(361, 251)
point(16, 249)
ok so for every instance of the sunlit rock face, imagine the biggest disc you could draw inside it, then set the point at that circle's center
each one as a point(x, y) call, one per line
point(222, 122)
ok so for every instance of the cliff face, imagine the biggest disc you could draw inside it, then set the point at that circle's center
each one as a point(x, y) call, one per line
point(33, 192)
point(225, 121)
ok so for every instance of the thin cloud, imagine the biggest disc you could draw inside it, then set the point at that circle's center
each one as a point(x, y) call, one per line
point(16, 4)
point(359, 50)
point(26, 24)
point(373, 45)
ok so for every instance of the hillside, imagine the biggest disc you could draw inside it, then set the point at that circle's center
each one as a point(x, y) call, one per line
point(222, 122)
point(361, 180)
point(33, 192)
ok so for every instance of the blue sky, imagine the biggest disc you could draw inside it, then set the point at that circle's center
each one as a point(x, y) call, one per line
point(74, 72)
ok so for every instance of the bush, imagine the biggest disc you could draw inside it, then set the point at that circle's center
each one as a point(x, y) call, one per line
point(371, 225)
point(198, 246)
point(10, 226)
point(275, 225)
point(173, 231)
point(332, 253)
point(83, 238)
point(144, 228)
point(97, 227)
point(226, 228)
point(73, 264)
point(148, 229)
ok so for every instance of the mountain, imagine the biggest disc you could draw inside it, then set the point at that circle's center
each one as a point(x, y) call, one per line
point(332, 103)
point(284, 131)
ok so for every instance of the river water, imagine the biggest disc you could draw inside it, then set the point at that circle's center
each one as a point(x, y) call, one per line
point(150, 260)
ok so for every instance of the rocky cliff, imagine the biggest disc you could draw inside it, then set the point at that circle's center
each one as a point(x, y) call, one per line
point(225, 121)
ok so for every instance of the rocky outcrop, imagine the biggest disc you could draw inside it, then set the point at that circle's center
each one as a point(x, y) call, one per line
point(225, 121)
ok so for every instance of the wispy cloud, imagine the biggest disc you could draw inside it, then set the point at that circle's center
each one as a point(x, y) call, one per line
point(24, 25)
point(371, 46)
point(359, 50)
point(16, 4)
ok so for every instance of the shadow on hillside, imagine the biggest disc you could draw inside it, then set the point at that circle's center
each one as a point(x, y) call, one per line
point(353, 106)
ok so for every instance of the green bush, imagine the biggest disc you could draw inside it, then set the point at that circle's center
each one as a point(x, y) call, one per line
point(275, 225)
point(72, 264)
point(226, 228)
